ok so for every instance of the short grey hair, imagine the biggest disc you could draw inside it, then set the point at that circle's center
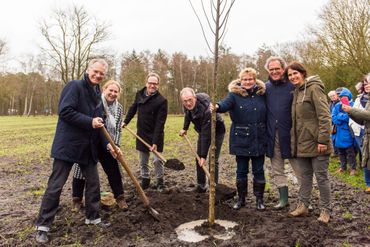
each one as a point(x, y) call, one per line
point(275, 58)
point(187, 90)
point(99, 60)
point(332, 93)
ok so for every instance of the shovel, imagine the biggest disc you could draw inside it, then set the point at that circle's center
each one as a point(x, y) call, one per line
point(197, 156)
point(223, 192)
point(141, 192)
point(173, 164)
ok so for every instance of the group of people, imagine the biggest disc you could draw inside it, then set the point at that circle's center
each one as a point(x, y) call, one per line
point(288, 117)
point(349, 133)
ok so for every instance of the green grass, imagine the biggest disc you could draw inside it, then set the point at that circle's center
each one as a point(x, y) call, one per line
point(356, 181)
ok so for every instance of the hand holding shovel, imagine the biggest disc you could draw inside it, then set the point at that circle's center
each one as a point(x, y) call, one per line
point(204, 167)
point(174, 164)
point(141, 192)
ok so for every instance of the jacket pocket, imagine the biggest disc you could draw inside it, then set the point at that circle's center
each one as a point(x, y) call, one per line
point(241, 136)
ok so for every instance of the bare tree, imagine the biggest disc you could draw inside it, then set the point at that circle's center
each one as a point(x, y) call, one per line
point(216, 20)
point(72, 35)
point(344, 33)
point(3, 47)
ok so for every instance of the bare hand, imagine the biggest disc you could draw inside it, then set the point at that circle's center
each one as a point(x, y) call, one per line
point(153, 147)
point(112, 152)
point(213, 107)
point(202, 162)
point(346, 108)
point(97, 123)
point(321, 148)
point(182, 132)
point(123, 125)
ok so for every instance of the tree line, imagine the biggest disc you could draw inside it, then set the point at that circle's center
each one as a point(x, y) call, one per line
point(337, 48)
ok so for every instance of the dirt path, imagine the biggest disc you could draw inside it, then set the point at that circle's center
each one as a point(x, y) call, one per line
point(19, 205)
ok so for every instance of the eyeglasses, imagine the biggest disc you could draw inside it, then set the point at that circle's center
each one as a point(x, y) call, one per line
point(154, 84)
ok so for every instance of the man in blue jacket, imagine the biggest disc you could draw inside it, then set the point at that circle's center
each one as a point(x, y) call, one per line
point(279, 99)
point(76, 140)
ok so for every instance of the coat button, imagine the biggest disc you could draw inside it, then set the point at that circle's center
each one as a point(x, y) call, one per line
point(241, 107)
point(255, 109)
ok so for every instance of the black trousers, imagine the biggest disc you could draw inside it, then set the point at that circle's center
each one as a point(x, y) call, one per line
point(201, 176)
point(110, 167)
point(57, 179)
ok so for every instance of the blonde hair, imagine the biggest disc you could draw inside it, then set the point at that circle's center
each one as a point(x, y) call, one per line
point(251, 71)
point(113, 82)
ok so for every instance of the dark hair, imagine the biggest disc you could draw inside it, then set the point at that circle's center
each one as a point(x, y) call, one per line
point(295, 66)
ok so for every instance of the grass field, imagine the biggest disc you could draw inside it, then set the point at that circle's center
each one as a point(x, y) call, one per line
point(29, 139)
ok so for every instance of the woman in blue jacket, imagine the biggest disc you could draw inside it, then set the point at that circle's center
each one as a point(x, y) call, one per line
point(247, 107)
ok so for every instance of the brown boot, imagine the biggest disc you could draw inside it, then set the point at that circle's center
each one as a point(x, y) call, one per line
point(324, 216)
point(76, 204)
point(121, 202)
point(301, 210)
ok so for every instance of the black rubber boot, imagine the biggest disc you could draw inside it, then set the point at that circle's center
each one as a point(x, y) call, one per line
point(258, 190)
point(242, 187)
point(145, 182)
point(160, 184)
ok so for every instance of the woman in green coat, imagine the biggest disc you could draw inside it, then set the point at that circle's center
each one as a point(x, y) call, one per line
point(310, 138)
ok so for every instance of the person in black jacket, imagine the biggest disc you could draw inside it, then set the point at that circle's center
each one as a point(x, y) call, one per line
point(196, 109)
point(77, 138)
point(151, 107)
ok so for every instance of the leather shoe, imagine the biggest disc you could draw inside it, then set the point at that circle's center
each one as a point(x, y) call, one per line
point(42, 237)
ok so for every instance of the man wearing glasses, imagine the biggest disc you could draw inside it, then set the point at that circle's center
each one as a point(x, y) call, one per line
point(151, 107)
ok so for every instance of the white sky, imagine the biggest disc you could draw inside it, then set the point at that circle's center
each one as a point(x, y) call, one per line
point(164, 24)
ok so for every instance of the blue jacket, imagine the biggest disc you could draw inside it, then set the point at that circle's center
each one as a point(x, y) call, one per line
point(279, 97)
point(343, 137)
point(248, 115)
point(75, 139)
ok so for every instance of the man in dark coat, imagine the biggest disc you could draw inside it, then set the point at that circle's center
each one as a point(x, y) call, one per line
point(279, 98)
point(76, 140)
point(151, 107)
point(196, 109)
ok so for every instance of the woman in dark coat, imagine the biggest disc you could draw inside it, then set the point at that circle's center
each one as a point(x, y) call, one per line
point(247, 107)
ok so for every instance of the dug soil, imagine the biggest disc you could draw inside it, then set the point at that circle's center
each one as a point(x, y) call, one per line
point(20, 198)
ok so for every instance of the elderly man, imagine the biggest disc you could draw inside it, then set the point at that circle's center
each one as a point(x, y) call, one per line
point(279, 99)
point(76, 140)
point(196, 108)
point(151, 107)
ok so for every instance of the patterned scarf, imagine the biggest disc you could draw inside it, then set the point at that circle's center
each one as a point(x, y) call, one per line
point(111, 113)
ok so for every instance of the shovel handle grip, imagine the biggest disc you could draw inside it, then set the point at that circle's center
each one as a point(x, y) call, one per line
point(141, 192)
point(145, 143)
point(197, 156)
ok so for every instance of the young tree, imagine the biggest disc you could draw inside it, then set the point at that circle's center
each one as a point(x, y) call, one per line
point(72, 36)
point(217, 22)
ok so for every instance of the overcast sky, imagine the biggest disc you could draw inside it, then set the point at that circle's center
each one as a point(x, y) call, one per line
point(164, 24)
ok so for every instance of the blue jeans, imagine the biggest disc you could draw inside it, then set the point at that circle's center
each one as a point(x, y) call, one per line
point(367, 176)
point(242, 168)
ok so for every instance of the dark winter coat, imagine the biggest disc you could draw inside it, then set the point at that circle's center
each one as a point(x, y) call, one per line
point(151, 117)
point(75, 138)
point(311, 120)
point(248, 115)
point(201, 117)
point(343, 137)
point(279, 97)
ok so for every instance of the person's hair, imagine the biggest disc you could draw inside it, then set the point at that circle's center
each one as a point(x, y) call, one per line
point(366, 78)
point(275, 58)
point(98, 60)
point(187, 90)
point(332, 93)
point(295, 65)
point(154, 75)
point(251, 71)
point(113, 82)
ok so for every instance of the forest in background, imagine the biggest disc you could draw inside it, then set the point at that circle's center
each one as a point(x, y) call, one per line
point(337, 49)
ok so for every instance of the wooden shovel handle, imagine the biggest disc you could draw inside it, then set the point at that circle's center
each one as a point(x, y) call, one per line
point(141, 192)
point(145, 143)
point(197, 156)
